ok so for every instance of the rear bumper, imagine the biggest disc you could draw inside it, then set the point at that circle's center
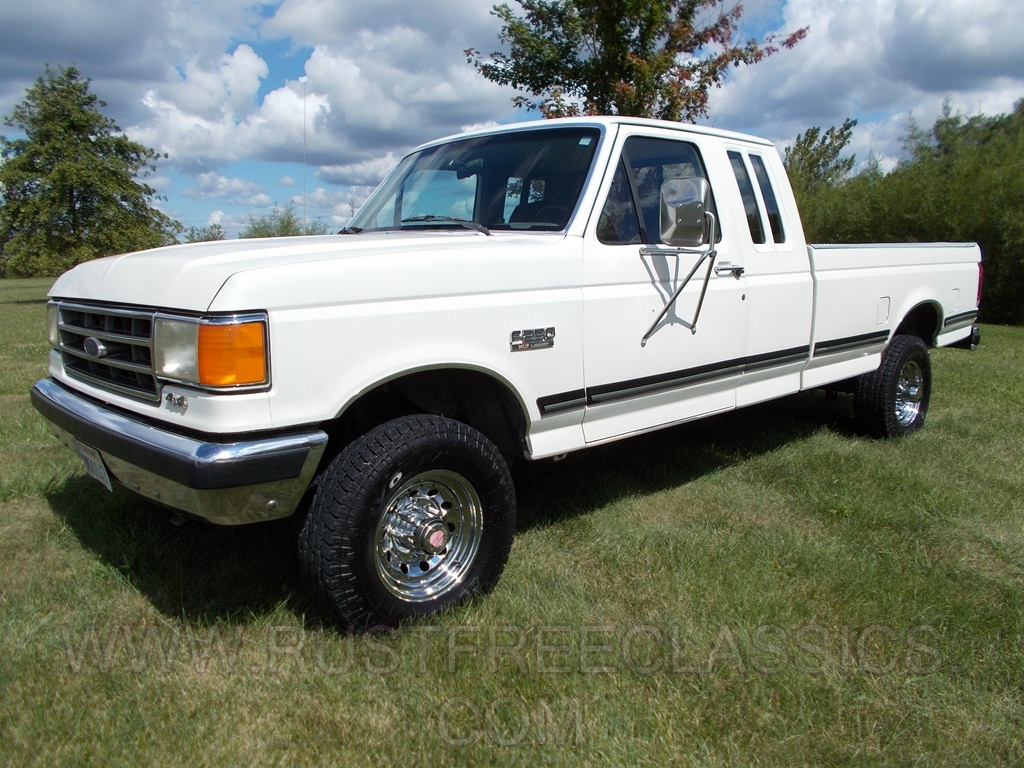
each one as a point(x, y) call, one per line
point(227, 481)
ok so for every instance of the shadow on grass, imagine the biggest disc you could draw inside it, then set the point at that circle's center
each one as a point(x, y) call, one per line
point(201, 573)
point(195, 571)
point(549, 491)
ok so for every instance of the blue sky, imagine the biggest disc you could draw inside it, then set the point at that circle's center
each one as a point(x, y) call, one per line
point(216, 83)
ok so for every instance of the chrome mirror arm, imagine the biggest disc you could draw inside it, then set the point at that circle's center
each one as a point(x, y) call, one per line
point(709, 255)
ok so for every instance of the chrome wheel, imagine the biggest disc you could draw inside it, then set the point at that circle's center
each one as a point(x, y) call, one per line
point(427, 535)
point(408, 520)
point(893, 400)
point(909, 393)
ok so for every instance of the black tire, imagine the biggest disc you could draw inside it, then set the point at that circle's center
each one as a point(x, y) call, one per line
point(415, 516)
point(893, 401)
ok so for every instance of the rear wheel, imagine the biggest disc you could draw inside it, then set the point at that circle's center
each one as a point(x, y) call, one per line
point(893, 401)
point(415, 516)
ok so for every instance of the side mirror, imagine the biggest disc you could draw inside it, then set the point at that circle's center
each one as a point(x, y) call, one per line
point(683, 204)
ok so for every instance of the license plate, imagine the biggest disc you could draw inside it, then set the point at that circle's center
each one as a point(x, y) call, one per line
point(93, 464)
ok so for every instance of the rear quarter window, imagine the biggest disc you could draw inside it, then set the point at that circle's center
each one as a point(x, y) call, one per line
point(771, 203)
point(750, 208)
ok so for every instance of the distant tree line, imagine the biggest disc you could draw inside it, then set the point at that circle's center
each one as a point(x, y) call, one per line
point(963, 180)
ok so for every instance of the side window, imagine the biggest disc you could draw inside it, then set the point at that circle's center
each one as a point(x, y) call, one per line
point(618, 217)
point(645, 165)
point(749, 200)
point(768, 195)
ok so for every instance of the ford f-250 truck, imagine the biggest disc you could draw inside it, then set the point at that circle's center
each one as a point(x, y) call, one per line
point(524, 291)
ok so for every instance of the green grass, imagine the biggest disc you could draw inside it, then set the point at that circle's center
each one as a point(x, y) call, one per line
point(759, 588)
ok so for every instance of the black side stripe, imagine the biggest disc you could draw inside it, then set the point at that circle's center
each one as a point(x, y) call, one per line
point(961, 319)
point(850, 342)
point(566, 401)
point(647, 385)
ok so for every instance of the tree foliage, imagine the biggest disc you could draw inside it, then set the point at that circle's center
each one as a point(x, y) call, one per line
point(204, 234)
point(68, 190)
point(815, 159)
point(962, 180)
point(282, 222)
point(643, 58)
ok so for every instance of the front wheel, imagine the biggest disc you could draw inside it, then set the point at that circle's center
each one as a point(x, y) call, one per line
point(893, 400)
point(415, 516)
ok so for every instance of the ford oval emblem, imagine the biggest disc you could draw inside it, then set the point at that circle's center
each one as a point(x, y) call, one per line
point(95, 348)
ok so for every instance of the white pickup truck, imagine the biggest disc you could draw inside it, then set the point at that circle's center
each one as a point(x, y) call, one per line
point(524, 291)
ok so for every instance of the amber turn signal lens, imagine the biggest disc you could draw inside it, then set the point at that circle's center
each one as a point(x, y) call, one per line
point(231, 355)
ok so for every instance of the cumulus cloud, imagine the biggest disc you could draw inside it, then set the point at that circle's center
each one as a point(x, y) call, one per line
point(229, 87)
point(879, 61)
point(210, 186)
point(363, 173)
point(125, 46)
point(205, 81)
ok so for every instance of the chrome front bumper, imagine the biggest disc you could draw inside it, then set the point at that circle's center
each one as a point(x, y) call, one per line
point(228, 482)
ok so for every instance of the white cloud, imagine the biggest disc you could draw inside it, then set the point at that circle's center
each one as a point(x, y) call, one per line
point(228, 88)
point(210, 186)
point(879, 61)
point(364, 173)
point(162, 184)
point(200, 79)
point(480, 126)
point(286, 181)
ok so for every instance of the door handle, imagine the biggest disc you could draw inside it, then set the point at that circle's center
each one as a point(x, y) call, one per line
point(725, 268)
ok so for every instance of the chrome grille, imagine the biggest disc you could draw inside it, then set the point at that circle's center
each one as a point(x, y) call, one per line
point(125, 336)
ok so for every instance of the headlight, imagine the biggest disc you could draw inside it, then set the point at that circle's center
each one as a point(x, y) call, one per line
point(213, 351)
point(175, 347)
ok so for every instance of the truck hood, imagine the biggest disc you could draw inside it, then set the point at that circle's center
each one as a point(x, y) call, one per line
point(189, 277)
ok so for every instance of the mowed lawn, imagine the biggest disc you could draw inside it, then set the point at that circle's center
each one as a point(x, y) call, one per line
point(764, 587)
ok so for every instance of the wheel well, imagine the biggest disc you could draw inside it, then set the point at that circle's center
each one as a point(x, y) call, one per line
point(471, 397)
point(922, 321)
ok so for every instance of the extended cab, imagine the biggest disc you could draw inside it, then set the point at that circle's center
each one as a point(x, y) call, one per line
point(524, 291)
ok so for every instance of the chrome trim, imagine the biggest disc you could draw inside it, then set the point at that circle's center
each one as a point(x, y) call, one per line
point(135, 342)
point(109, 386)
point(210, 494)
point(122, 364)
point(236, 318)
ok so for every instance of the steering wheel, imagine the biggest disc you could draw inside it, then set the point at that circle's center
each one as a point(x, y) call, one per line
point(553, 214)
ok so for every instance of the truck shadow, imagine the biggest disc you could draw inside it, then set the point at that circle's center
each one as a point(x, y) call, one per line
point(548, 491)
point(199, 573)
point(192, 570)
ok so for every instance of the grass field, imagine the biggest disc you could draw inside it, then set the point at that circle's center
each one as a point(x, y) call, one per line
point(759, 588)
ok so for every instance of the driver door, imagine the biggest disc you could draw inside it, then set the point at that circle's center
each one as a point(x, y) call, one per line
point(680, 373)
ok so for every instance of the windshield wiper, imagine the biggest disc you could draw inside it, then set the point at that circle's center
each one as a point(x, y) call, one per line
point(448, 220)
point(350, 230)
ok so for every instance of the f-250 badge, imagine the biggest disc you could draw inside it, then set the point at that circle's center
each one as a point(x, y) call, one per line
point(532, 338)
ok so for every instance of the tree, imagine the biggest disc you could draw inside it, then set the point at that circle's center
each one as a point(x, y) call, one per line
point(204, 234)
point(68, 190)
point(628, 57)
point(814, 159)
point(282, 222)
point(962, 180)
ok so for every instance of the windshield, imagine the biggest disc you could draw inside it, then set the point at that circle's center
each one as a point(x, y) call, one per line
point(524, 180)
